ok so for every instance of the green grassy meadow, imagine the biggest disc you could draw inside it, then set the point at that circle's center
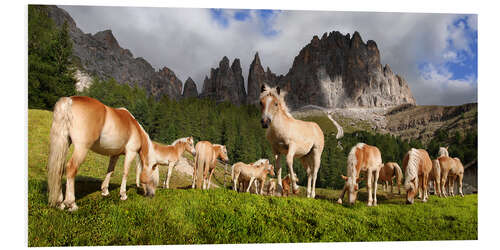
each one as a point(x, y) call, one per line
point(184, 216)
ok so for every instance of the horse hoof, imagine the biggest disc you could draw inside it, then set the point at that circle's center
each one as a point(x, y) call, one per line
point(339, 201)
point(105, 193)
point(61, 206)
point(73, 208)
point(123, 197)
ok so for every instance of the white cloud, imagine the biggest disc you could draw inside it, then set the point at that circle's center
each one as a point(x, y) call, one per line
point(190, 41)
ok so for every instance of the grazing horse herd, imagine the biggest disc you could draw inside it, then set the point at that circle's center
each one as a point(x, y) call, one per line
point(90, 125)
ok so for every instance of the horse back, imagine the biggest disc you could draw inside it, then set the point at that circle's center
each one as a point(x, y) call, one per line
point(425, 165)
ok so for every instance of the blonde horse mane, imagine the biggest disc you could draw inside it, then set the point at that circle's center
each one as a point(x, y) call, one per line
point(260, 161)
point(412, 167)
point(443, 151)
point(280, 97)
point(184, 139)
point(352, 161)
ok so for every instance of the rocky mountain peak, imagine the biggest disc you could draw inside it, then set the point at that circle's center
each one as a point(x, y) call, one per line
point(225, 83)
point(339, 71)
point(190, 90)
point(100, 55)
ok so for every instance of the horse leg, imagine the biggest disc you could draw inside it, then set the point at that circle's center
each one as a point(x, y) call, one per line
point(171, 166)
point(277, 159)
point(235, 181)
point(194, 175)
point(317, 164)
point(309, 181)
point(71, 168)
point(210, 177)
point(375, 183)
point(444, 180)
point(460, 179)
point(250, 184)
point(262, 182)
point(339, 201)
point(452, 185)
point(129, 157)
point(369, 187)
point(289, 162)
point(111, 169)
point(425, 187)
point(138, 170)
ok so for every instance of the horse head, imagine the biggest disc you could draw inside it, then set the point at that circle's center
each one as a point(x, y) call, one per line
point(271, 103)
point(222, 152)
point(352, 186)
point(443, 151)
point(190, 145)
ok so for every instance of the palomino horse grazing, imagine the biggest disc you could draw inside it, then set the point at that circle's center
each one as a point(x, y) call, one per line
point(205, 162)
point(435, 177)
point(291, 137)
point(451, 168)
point(88, 124)
point(258, 170)
point(286, 185)
point(417, 165)
point(367, 158)
point(168, 155)
point(388, 172)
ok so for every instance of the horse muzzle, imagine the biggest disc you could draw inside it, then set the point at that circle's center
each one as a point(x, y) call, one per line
point(265, 123)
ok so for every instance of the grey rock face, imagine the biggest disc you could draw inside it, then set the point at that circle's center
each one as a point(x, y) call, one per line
point(256, 77)
point(190, 90)
point(338, 71)
point(100, 55)
point(225, 83)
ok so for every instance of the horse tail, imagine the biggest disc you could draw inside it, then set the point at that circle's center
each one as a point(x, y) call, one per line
point(340, 131)
point(399, 173)
point(59, 144)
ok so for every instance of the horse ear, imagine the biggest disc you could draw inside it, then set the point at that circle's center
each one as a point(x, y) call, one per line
point(447, 147)
point(262, 88)
point(344, 177)
point(278, 90)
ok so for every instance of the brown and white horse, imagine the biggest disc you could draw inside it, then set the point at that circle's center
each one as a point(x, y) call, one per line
point(205, 162)
point(451, 168)
point(168, 155)
point(291, 137)
point(90, 125)
point(389, 171)
point(417, 165)
point(362, 157)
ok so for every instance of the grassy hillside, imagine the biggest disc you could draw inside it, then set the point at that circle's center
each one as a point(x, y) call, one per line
point(185, 216)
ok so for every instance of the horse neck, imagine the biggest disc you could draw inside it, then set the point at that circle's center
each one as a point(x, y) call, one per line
point(280, 120)
point(147, 151)
point(179, 148)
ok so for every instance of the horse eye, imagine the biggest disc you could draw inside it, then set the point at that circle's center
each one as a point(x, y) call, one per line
point(261, 104)
point(276, 104)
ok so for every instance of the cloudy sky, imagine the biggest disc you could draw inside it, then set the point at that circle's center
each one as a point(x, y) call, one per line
point(435, 53)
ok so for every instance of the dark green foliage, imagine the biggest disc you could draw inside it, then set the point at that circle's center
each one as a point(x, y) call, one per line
point(50, 71)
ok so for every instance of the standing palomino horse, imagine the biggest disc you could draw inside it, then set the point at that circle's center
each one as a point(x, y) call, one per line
point(205, 162)
point(451, 168)
point(88, 124)
point(417, 165)
point(388, 172)
point(291, 137)
point(367, 158)
point(168, 155)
